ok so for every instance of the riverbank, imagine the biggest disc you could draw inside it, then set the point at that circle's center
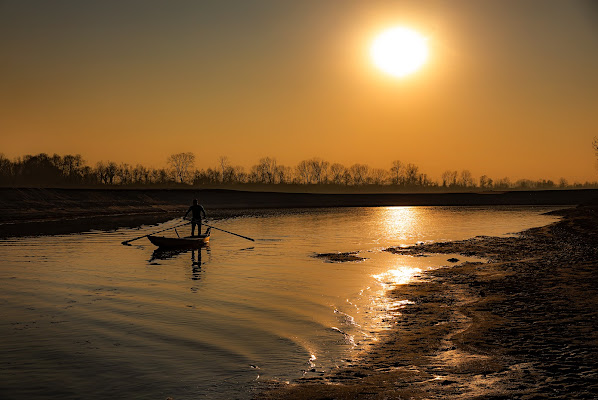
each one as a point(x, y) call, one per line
point(522, 325)
point(27, 211)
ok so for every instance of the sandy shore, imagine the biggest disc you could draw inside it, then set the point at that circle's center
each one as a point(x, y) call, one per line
point(523, 325)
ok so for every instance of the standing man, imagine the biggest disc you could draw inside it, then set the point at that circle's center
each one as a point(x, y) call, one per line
point(196, 211)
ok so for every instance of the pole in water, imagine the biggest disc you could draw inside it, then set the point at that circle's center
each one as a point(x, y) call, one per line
point(126, 242)
point(232, 233)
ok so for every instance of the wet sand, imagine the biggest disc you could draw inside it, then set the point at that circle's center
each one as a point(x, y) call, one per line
point(523, 325)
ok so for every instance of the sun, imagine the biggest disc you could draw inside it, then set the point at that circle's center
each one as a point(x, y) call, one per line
point(399, 51)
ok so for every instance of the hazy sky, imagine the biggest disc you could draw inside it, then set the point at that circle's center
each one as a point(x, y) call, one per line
point(510, 89)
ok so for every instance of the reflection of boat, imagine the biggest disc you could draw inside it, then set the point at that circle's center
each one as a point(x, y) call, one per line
point(162, 253)
point(167, 253)
point(188, 242)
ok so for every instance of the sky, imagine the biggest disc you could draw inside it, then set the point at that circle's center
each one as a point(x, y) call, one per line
point(509, 89)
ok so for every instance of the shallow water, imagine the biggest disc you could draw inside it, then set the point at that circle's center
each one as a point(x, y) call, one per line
point(86, 317)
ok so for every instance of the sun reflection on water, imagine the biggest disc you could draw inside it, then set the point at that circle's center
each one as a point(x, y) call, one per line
point(394, 277)
point(399, 221)
point(388, 308)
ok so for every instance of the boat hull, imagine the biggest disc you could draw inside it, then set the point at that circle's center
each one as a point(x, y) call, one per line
point(189, 242)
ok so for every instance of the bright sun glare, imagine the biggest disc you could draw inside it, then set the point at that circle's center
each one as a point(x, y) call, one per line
point(399, 51)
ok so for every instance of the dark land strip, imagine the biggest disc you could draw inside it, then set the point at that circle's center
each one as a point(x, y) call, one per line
point(523, 325)
point(34, 211)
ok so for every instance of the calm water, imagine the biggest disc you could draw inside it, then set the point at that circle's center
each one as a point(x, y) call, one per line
point(86, 317)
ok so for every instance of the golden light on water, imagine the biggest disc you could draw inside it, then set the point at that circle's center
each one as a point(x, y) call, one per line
point(399, 51)
point(388, 308)
point(400, 276)
point(399, 221)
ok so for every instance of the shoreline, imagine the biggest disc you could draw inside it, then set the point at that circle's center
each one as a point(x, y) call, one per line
point(522, 325)
point(31, 211)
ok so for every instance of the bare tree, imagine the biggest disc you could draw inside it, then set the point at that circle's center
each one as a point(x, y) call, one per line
point(227, 171)
point(411, 174)
point(158, 175)
point(88, 175)
point(124, 173)
point(6, 168)
point(106, 172)
point(283, 174)
point(181, 164)
point(336, 173)
point(101, 172)
point(71, 166)
point(396, 170)
point(240, 176)
point(212, 175)
point(524, 184)
point(111, 171)
point(347, 178)
point(318, 170)
point(264, 171)
point(466, 180)
point(359, 173)
point(378, 176)
point(504, 183)
point(140, 174)
point(425, 181)
point(449, 178)
point(485, 182)
point(302, 170)
point(545, 184)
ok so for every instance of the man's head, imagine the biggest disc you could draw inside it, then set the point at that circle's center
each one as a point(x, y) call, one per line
point(195, 202)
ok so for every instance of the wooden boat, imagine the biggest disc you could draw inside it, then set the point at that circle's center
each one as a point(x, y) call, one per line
point(187, 242)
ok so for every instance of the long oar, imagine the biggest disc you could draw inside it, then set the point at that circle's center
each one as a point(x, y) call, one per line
point(126, 242)
point(236, 234)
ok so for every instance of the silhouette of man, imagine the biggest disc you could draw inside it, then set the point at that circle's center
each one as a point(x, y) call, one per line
point(196, 211)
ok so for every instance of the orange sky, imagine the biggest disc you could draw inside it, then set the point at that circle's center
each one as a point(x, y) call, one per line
point(510, 88)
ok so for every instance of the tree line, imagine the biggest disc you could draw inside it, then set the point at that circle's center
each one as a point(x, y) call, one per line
point(43, 170)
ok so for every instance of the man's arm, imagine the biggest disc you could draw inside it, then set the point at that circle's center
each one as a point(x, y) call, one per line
point(203, 210)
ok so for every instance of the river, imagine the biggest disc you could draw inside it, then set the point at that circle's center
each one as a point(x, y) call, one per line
point(85, 317)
